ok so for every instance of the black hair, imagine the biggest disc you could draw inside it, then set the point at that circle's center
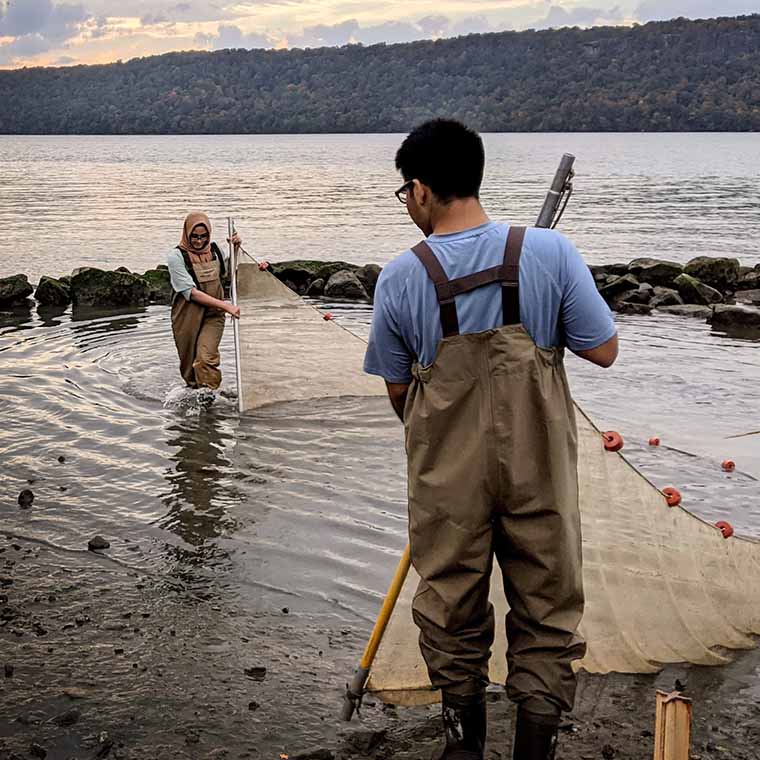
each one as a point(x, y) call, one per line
point(446, 156)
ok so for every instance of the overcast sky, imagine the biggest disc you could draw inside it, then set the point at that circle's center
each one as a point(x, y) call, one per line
point(62, 32)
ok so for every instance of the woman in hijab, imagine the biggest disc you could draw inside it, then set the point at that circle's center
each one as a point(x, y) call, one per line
point(198, 270)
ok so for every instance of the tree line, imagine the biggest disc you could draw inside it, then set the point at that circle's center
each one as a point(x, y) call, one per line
point(677, 75)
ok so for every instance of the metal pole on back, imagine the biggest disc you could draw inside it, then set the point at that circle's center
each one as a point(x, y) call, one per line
point(559, 194)
point(235, 325)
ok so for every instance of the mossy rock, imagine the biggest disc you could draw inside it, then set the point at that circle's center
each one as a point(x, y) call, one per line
point(159, 285)
point(719, 273)
point(368, 276)
point(749, 280)
point(300, 273)
point(297, 274)
point(655, 271)
point(100, 288)
point(665, 297)
point(345, 285)
point(735, 317)
point(316, 288)
point(52, 292)
point(327, 270)
point(695, 292)
point(15, 290)
point(617, 286)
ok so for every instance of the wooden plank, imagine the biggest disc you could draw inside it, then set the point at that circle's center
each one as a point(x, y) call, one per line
point(672, 736)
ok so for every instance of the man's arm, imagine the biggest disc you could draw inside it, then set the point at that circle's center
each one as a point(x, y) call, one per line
point(397, 394)
point(586, 319)
point(388, 354)
point(604, 355)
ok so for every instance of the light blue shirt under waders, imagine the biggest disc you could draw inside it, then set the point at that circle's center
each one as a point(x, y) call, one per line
point(559, 302)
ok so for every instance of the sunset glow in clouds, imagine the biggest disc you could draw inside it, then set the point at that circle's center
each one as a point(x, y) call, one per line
point(63, 32)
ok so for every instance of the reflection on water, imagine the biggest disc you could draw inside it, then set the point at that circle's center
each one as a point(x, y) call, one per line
point(197, 504)
point(307, 500)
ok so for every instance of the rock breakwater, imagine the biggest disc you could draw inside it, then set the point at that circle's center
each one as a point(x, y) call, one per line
point(717, 289)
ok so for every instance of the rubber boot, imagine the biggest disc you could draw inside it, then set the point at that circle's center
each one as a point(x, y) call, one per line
point(464, 720)
point(535, 736)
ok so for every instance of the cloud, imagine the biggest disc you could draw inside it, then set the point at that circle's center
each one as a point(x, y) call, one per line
point(434, 26)
point(152, 11)
point(474, 25)
point(390, 31)
point(151, 19)
point(580, 16)
point(658, 10)
point(323, 35)
point(110, 29)
point(231, 36)
point(177, 12)
point(320, 35)
point(37, 26)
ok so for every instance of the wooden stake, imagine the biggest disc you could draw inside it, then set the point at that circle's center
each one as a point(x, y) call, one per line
point(672, 735)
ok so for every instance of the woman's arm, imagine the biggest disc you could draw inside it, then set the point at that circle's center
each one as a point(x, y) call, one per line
point(206, 300)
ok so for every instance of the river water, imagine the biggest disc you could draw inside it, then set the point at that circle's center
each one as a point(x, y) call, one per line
point(303, 505)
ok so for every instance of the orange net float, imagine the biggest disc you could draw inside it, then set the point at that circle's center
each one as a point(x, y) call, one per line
point(672, 496)
point(725, 528)
point(327, 316)
point(728, 466)
point(654, 441)
point(263, 265)
point(612, 441)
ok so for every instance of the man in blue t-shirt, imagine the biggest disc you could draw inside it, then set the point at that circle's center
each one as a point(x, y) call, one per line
point(468, 332)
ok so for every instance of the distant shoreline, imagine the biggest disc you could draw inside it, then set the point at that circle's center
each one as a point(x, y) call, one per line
point(670, 76)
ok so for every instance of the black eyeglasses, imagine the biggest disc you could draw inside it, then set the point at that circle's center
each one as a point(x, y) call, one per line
point(403, 191)
point(199, 236)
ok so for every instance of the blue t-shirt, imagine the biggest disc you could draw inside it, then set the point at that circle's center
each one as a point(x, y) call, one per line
point(559, 302)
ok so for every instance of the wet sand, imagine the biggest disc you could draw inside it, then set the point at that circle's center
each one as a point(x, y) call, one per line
point(102, 661)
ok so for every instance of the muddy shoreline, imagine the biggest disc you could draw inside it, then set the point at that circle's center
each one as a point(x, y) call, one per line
point(104, 661)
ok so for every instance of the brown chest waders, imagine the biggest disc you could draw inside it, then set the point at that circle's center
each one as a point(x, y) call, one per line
point(198, 329)
point(492, 466)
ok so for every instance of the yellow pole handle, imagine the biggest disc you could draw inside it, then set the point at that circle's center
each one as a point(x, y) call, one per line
point(387, 609)
point(355, 689)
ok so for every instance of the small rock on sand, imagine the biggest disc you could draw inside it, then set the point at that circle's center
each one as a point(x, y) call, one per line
point(97, 544)
point(256, 673)
point(322, 753)
point(365, 740)
point(74, 692)
point(68, 718)
point(25, 498)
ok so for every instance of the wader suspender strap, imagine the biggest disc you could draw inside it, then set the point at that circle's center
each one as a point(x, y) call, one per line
point(215, 254)
point(449, 319)
point(218, 254)
point(510, 276)
point(189, 266)
point(507, 273)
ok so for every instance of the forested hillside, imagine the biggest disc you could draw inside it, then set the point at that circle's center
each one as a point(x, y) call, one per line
point(676, 75)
